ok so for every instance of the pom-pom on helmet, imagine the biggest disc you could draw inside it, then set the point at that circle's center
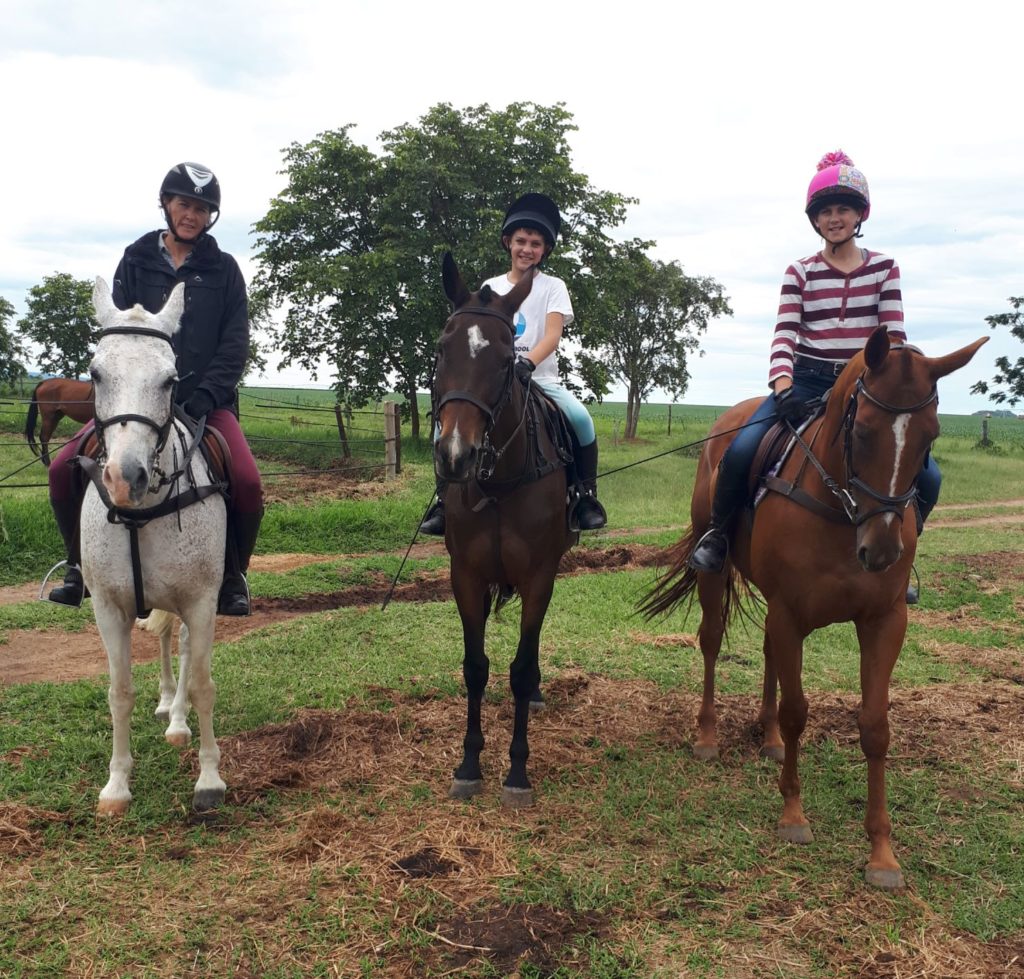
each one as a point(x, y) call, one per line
point(536, 211)
point(837, 180)
point(195, 181)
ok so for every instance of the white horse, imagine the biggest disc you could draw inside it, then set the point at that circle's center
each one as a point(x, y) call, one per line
point(152, 534)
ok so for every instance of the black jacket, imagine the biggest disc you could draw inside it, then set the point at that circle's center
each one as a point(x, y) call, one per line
point(213, 342)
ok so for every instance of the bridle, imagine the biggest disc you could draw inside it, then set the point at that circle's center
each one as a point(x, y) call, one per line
point(162, 429)
point(887, 504)
point(489, 456)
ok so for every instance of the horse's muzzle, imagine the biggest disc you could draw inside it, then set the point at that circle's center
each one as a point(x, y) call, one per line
point(454, 459)
point(126, 482)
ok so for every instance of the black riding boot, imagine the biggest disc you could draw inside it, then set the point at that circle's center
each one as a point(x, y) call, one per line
point(243, 530)
point(713, 548)
point(433, 522)
point(73, 590)
point(588, 513)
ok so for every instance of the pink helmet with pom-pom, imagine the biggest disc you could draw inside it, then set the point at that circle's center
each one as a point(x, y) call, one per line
point(837, 178)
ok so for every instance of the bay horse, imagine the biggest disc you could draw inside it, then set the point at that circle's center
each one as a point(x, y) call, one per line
point(505, 507)
point(145, 540)
point(54, 399)
point(816, 563)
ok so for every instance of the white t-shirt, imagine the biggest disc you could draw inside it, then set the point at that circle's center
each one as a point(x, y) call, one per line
point(548, 295)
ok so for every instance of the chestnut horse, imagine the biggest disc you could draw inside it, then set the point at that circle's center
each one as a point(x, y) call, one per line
point(54, 399)
point(830, 544)
point(505, 507)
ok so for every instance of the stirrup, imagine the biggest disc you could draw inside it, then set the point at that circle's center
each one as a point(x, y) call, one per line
point(715, 554)
point(230, 604)
point(589, 508)
point(43, 597)
point(434, 522)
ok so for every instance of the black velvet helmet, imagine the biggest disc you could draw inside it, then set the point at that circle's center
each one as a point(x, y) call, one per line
point(536, 211)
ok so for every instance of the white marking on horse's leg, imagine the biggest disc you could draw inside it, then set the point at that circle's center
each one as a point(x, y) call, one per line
point(178, 732)
point(116, 629)
point(209, 788)
point(163, 707)
point(476, 340)
point(900, 425)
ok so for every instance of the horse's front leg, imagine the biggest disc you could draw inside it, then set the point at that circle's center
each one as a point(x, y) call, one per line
point(473, 599)
point(524, 678)
point(880, 643)
point(787, 653)
point(196, 638)
point(116, 629)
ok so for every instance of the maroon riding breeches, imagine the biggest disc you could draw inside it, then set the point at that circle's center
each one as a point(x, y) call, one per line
point(246, 490)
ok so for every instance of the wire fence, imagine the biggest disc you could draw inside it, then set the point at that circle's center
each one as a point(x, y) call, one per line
point(363, 450)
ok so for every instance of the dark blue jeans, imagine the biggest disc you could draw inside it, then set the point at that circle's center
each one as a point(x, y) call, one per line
point(731, 491)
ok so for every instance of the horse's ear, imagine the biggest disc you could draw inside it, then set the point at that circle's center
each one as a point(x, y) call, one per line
point(877, 348)
point(941, 366)
point(513, 299)
point(102, 301)
point(454, 288)
point(170, 315)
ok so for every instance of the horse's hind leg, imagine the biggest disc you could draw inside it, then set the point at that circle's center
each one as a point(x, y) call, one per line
point(474, 602)
point(49, 426)
point(178, 732)
point(524, 678)
point(198, 634)
point(711, 592)
point(771, 746)
point(115, 628)
point(880, 644)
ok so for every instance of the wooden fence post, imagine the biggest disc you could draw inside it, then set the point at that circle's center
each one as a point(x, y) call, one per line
point(346, 452)
point(670, 419)
point(392, 443)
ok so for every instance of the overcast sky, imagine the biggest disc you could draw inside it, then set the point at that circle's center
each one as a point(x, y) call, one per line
point(712, 115)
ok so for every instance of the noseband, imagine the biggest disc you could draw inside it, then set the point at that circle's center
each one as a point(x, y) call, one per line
point(887, 504)
point(162, 430)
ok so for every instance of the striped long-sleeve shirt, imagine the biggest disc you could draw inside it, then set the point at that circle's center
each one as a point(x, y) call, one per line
point(829, 315)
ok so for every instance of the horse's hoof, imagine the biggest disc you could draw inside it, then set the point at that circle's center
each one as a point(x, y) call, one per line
point(538, 703)
point(884, 878)
point(207, 800)
point(179, 739)
point(775, 752)
point(112, 807)
point(513, 798)
point(462, 788)
point(796, 833)
point(705, 752)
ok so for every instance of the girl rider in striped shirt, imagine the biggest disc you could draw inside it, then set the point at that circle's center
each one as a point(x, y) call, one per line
point(830, 304)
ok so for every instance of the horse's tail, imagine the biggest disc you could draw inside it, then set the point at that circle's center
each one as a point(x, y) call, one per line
point(158, 621)
point(30, 422)
point(679, 583)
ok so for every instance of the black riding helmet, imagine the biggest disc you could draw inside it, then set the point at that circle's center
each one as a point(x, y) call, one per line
point(536, 211)
point(195, 181)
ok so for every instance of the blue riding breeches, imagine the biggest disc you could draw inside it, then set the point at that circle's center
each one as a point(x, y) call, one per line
point(731, 491)
point(571, 407)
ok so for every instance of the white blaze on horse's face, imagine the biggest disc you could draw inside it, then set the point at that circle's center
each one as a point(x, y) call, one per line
point(133, 374)
point(476, 340)
point(900, 425)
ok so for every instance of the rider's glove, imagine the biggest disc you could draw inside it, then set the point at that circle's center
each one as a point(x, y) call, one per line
point(199, 404)
point(788, 407)
point(524, 368)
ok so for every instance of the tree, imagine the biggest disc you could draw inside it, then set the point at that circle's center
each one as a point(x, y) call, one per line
point(1010, 374)
point(11, 351)
point(351, 249)
point(62, 322)
point(651, 315)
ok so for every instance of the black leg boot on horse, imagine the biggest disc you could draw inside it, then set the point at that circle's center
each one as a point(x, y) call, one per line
point(588, 514)
point(712, 549)
point(243, 530)
point(433, 522)
point(67, 512)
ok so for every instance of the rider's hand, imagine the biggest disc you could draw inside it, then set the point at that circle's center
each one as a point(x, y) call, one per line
point(788, 407)
point(199, 404)
point(524, 368)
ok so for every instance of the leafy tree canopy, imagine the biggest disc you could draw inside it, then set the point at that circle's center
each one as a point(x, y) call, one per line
point(651, 315)
point(61, 321)
point(1009, 380)
point(11, 352)
point(351, 249)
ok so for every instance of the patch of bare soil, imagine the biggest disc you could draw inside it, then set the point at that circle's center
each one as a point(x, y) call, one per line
point(31, 656)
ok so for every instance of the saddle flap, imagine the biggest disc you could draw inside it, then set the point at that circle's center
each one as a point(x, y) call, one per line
point(774, 450)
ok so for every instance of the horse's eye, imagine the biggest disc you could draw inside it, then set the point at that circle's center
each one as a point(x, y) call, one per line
point(94, 375)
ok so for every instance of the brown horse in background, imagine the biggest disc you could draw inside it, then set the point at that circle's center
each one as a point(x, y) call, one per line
point(55, 399)
point(505, 507)
point(829, 544)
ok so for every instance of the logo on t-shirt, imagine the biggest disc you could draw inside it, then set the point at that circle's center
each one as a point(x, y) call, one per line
point(520, 324)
